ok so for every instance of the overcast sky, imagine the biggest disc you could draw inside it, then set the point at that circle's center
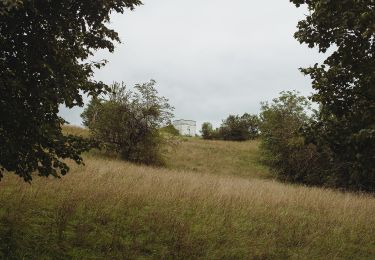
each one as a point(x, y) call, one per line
point(210, 58)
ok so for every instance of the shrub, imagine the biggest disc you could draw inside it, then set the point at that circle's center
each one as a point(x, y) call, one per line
point(128, 122)
point(233, 128)
point(239, 128)
point(207, 131)
point(283, 145)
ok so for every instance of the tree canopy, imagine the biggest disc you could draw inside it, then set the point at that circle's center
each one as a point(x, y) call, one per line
point(44, 52)
point(233, 128)
point(344, 84)
point(128, 122)
point(239, 128)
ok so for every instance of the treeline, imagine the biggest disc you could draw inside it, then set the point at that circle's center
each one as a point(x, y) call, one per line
point(292, 147)
point(334, 146)
point(233, 128)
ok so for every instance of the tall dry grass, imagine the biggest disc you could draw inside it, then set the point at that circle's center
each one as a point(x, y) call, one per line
point(223, 158)
point(112, 209)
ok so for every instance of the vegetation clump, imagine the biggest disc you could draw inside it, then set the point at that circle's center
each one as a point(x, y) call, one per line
point(344, 88)
point(233, 128)
point(207, 131)
point(282, 142)
point(128, 122)
point(44, 51)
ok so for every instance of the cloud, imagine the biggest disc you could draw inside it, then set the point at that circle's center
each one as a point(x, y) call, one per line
point(211, 58)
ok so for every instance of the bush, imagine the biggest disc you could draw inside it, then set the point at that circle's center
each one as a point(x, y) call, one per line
point(346, 171)
point(170, 129)
point(293, 147)
point(234, 128)
point(283, 145)
point(128, 122)
point(239, 128)
point(207, 131)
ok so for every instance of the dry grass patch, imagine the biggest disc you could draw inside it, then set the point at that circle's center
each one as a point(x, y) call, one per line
point(218, 157)
point(111, 209)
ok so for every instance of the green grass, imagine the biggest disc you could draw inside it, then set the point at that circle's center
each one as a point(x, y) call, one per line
point(202, 206)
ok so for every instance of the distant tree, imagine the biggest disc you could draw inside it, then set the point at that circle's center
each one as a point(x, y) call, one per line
point(129, 122)
point(207, 131)
point(239, 128)
point(252, 125)
point(44, 47)
point(345, 86)
point(233, 128)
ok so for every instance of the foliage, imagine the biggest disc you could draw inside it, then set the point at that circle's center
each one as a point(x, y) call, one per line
point(233, 128)
point(170, 129)
point(282, 143)
point(44, 47)
point(207, 131)
point(128, 122)
point(239, 128)
point(344, 86)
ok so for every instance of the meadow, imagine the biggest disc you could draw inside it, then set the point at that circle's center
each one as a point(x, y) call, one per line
point(213, 200)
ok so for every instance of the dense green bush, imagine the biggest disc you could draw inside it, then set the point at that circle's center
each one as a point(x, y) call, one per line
point(207, 131)
point(129, 123)
point(239, 128)
point(233, 128)
point(283, 145)
point(288, 130)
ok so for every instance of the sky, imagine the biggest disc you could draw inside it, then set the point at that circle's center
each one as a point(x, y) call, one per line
point(210, 58)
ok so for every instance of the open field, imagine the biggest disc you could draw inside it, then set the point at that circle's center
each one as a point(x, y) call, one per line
point(205, 208)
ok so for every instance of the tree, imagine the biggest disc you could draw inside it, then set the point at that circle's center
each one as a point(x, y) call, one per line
point(207, 131)
point(345, 86)
point(282, 143)
point(44, 51)
point(233, 128)
point(128, 122)
point(252, 125)
point(239, 128)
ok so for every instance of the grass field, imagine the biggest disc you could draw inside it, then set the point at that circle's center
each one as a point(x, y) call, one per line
point(217, 157)
point(212, 201)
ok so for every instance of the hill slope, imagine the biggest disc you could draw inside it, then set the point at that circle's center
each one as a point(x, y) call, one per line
point(218, 157)
point(113, 209)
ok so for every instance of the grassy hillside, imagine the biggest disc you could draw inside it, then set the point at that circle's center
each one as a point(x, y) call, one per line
point(202, 208)
point(217, 157)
